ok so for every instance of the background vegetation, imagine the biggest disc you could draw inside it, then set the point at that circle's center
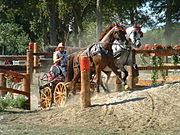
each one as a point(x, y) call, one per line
point(9, 101)
point(79, 22)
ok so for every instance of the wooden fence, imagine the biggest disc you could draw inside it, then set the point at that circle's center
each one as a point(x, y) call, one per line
point(8, 70)
point(158, 52)
point(25, 78)
point(25, 71)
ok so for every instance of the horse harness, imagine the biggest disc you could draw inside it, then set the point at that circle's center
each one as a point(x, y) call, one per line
point(95, 49)
point(122, 49)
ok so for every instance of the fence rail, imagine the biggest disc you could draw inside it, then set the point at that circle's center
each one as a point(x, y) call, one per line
point(146, 53)
point(165, 67)
point(12, 57)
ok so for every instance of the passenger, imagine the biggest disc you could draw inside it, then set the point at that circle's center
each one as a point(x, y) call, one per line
point(60, 58)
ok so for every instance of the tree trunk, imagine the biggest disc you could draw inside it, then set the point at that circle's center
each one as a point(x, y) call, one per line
point(99, 18)
point(78, 28)
point(168, 27)
point(75, 37)
point(45, 36)
point(53, 19)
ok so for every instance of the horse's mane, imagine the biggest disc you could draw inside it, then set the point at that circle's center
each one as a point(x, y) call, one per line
point(106, 31)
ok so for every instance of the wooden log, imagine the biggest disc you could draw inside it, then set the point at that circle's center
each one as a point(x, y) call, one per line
point(85, 97)
point(19, 68)
point(15, 91)
point(131, 77)
point(29, 63)
point(31, 46)
point(166, 61)
point(118, 85)
point(159, 67)
point(26, 88)
point(12, 57)
point(36, 58)
point(158, 51)
point(19, 75)
point(2, 84)
point(44, 53)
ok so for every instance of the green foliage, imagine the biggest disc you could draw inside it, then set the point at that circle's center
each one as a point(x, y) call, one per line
point(157, 61)
point(8, 101)
point(157, 36)
point(175, 59)
point(154, 76)
point(34, 20)
point(13, 39)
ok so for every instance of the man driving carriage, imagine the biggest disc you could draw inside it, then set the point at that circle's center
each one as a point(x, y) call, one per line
point(60, 58)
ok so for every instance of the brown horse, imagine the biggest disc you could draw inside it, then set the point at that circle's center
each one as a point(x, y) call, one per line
point(100, 54)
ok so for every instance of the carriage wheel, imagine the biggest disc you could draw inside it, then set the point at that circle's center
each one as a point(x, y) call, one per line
point(45, 98)
point(60, 94)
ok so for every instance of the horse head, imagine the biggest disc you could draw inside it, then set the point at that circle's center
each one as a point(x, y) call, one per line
point(114, 32)
point(134, 35)
point(119, 33)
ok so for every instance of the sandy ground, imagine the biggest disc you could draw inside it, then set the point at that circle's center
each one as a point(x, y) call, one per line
point(149, 110)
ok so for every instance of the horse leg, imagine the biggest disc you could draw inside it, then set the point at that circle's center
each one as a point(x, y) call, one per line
point(98, 78)
point(105, 87)
point(125, 76)
point(75, 80)
point(136, 70)
point(108, 75)
point(118, 74)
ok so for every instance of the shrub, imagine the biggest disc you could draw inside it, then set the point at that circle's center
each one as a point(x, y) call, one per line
point(9, 101)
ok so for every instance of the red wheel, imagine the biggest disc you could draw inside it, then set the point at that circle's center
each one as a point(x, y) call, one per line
point(60, 94)
point(45, 98)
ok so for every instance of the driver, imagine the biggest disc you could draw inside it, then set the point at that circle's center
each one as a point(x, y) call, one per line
point(60, 58)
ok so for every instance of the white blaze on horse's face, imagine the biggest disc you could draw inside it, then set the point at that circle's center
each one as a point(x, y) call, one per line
point(134, 35)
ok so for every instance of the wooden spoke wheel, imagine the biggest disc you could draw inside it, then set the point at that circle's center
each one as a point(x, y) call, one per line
point(60, 94)
point(45, 98)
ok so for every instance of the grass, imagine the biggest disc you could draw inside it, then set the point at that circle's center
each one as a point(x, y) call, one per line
point(9, 101)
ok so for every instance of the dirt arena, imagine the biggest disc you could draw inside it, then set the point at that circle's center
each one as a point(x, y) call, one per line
point(149, 110)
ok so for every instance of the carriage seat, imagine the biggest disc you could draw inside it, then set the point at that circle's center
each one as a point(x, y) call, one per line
point(55, 73)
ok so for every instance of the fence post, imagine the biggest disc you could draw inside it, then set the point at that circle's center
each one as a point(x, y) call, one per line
point(2, 84)
point(36, 58)
point(131, 76)
point(166, 61)
point(31, 46)
point(26, 88)
point(85, 97)
point(118, 84)
point(29, 63)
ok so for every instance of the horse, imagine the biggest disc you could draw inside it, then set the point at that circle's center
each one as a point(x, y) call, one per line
point(100, 55)
point(122, 54)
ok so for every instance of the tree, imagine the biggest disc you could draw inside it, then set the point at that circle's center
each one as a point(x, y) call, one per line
point(13, 40)
point(166, 11)
point(99, 18)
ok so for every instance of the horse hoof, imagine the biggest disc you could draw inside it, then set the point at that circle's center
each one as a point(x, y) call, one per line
point(98, 91)
point(74, 92)
point(126, 87)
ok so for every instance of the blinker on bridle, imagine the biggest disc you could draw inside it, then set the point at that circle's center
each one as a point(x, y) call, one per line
point(120, 29)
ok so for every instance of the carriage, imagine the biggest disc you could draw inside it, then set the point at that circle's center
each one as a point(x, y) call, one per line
point(55, 89)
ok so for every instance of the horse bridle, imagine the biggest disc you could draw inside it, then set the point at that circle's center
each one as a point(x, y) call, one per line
point(136, 30)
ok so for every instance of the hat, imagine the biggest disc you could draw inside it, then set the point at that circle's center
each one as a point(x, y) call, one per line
point(61, 45)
